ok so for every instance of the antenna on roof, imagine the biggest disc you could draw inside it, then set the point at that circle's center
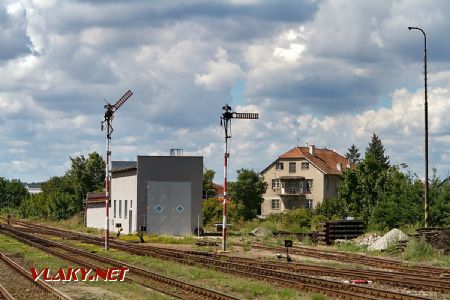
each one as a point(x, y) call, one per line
point(109, 116)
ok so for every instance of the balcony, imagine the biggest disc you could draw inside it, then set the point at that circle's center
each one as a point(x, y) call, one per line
point(290, 191)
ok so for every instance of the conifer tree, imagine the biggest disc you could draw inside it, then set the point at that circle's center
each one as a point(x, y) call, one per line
point(376, 150)
point(353, 155)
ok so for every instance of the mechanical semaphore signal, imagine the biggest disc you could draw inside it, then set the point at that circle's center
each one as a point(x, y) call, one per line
point(109, 115)
point(225, 122)
point(245, 115)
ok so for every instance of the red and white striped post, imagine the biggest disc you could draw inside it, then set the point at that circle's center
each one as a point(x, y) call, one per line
point(109, 115)
point(225, 197)
point(225, 121)
point(107, 188)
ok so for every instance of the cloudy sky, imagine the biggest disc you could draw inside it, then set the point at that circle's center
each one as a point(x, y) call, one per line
point(329, 73)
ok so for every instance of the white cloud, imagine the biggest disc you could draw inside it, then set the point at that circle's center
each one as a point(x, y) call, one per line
point(221, 74)
point(329, 74)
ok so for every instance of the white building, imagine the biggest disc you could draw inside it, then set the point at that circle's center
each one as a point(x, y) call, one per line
point(161, 193)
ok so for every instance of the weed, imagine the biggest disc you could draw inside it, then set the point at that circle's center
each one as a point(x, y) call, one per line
point(419, 250)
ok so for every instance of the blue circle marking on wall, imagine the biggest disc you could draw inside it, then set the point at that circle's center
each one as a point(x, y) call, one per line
point(180, 209)
point(158, 209)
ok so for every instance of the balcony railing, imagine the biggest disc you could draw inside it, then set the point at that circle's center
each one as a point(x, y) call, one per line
point(290, 191)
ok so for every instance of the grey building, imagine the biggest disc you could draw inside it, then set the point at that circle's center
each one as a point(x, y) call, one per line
point(162, 193)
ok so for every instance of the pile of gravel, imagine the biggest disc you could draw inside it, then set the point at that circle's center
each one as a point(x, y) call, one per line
point(387, 240)
point(367, 239)
point(260, 231)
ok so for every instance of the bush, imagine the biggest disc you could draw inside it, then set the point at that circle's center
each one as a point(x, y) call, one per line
point(296, 220)
point(418, 250)
point(316, 222)
point(48, 206)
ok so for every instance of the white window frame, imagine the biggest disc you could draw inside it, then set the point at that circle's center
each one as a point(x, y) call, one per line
point(304, 165)
point(309, 203)
point(295, 167)
point(276, 183)
point(275, 207)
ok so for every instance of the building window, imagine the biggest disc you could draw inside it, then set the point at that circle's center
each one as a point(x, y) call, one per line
point(292, 167)
point(309, 203)
point(275, 184)
point(125, 210)
point(115, 208)
point(275, 203)
point(305, 165)
point(279, 166)
point(131, 204)
point(309, 185)
point(120, 208)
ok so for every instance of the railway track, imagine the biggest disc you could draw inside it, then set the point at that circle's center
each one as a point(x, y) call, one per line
point(164, 284)
point(248, 269)
point(376, 262)
point(17, 283)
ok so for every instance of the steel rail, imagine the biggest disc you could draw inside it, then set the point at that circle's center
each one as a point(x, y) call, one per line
point(39, 283)
point(5, 294)
point(45, 245)
point(216, 263)
point(360, 259)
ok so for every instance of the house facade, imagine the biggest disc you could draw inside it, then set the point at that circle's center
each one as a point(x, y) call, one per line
point(301, 177)
point(161, 193)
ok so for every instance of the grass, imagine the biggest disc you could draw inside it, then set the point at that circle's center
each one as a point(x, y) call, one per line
point(350, 247)
point(163, 239)
point(29, 256)
point(241, 287)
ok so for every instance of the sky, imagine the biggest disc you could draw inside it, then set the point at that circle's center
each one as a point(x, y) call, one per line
point(329, 73)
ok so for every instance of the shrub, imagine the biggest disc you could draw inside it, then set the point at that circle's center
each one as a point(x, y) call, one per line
point(418, 250)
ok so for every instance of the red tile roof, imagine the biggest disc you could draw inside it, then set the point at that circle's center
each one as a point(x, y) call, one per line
point(218, 189)
point(95, 197)
point(324, 159)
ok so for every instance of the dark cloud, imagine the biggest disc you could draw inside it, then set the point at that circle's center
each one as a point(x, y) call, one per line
point(13, 37)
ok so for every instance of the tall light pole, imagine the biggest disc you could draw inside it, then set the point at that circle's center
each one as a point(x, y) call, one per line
point(426, 124)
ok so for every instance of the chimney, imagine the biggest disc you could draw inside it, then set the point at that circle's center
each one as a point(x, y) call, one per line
point(311, 149)
point(339, 166)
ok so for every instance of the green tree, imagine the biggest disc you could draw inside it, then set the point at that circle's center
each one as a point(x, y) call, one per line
point(12, 193)
point(3, 199)
point(332, 208)
point(439, 201)
point(353, 155)
point(361, 187)
point(86, 175)
point(15, 193)
point(399, 203)
point(247, 192)
point(376, 150)
point(208, 182)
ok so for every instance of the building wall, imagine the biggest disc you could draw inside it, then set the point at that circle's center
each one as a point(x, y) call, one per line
point(333, 183)
point(95, 215)
point(124, 187)
point(169, 175)
point(317, 190)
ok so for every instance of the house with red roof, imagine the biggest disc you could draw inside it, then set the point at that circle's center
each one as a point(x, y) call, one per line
point(302, 177)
